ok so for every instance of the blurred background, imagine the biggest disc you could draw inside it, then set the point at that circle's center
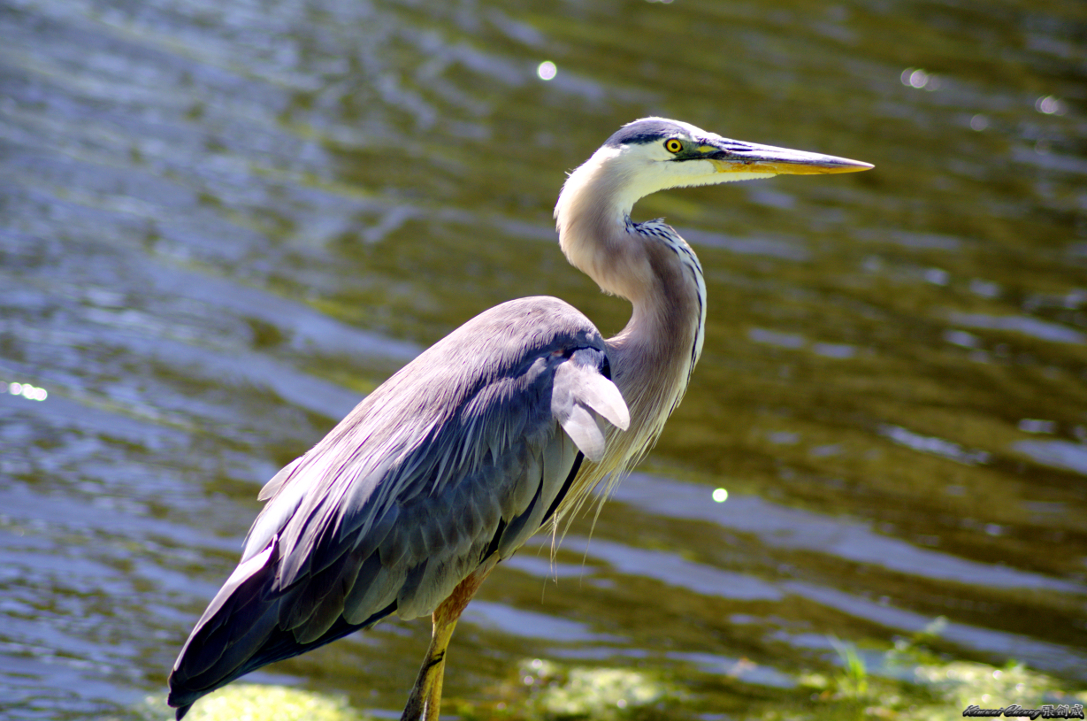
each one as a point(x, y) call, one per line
point(222, 224)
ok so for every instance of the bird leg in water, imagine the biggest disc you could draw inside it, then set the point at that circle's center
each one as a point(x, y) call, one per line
point(425, 700)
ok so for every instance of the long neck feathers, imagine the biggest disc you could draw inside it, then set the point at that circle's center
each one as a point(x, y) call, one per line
point(653, 267)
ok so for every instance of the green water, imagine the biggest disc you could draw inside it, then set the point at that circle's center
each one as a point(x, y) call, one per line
point(222, 224)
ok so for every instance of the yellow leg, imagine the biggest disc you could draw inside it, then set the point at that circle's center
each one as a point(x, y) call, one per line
point(425, 700)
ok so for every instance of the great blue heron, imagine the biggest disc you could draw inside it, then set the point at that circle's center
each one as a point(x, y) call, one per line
point(450, 465)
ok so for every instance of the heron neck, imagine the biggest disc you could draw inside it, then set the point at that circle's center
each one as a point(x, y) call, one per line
point(653, 356)
point(653, 268)
point(593, 220)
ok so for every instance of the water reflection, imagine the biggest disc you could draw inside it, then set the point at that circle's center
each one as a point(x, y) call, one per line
point(221, 225)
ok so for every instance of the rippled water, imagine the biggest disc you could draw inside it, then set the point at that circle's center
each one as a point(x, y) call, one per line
point(222, 224)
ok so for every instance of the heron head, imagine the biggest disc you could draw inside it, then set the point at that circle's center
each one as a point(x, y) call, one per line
point(654, 154)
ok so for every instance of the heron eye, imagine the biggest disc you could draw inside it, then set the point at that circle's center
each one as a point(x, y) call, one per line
point(672, 145)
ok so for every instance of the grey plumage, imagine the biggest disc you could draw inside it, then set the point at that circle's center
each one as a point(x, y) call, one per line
point(360, 525)
point(502, 427)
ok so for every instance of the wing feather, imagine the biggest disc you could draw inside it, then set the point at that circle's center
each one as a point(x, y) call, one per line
point(451, 464)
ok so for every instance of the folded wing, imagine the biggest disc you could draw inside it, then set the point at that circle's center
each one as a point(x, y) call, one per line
point(451, 464)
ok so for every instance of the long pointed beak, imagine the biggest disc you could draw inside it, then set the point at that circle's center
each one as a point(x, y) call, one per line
point(737, 156)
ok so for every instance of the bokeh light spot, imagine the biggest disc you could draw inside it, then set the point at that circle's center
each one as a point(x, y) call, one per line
point(31, 393)
point(1049, 105)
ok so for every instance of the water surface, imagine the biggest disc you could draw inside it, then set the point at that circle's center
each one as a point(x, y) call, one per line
point(222, 224)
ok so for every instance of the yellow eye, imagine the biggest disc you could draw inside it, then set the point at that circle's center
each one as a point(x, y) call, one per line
point(672, 145)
